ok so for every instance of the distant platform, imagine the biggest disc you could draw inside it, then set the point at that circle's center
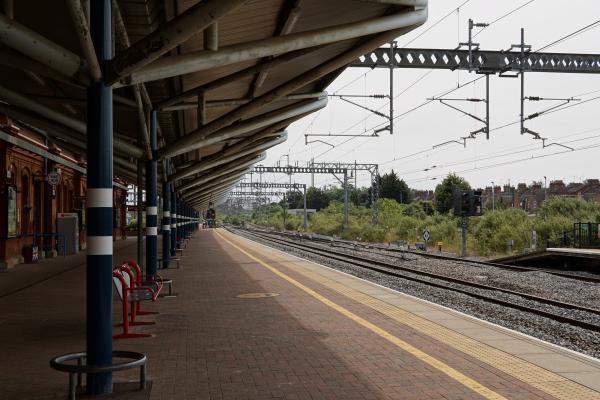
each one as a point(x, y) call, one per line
point(556, 257)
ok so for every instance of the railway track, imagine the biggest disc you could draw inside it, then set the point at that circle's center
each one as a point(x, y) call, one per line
point(391, 250)
point(473, 289)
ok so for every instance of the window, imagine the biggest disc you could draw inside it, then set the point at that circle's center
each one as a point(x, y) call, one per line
point(12, 211)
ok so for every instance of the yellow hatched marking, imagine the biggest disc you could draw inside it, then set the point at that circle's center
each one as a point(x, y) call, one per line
point(538, 377)
point(434, 362)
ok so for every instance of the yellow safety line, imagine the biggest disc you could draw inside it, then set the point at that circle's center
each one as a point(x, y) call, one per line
point(434, 362)
point(555, 385)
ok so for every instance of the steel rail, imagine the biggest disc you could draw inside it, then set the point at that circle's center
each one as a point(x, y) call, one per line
point(509, 267)
point(367, 263)
point(475, 284)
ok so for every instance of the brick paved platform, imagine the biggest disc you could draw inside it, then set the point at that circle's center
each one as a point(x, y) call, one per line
point(320, 335)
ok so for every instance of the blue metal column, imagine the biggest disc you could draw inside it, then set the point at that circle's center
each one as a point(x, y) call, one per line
point(173, 222)
point(179, 222)
point(151, 203)
point(184, 220)
point(182, 233)
point(187, 221)
point(99, 206)
point(184, 226)
point(166, 222)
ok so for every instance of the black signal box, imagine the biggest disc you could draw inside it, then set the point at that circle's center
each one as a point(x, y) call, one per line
point(467, 203)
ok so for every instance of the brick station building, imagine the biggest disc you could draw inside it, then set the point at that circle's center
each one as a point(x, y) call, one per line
point(30, 204)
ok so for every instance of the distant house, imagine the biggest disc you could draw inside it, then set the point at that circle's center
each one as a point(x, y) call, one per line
point(531, 197)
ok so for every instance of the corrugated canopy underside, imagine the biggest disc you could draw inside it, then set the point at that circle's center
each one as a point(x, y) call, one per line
point(254, 20)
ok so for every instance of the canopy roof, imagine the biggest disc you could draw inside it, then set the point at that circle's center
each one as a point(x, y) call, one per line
point(225, 76)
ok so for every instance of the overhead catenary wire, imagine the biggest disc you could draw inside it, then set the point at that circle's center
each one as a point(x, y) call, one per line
point(566, 37)
point(429, 149)
point(509, 162)
point(352, 81)
point(410, 86)
point(553, 43)
point(505, 153)
point(505, 15)
point(405, 113)
point(436, 23)
point(549, 111)
point(309, 126)
point(441, 19)
point(571, 35)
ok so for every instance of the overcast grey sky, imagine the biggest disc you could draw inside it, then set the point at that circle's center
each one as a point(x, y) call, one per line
point(508, 155)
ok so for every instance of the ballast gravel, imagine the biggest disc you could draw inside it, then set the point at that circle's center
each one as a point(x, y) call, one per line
point(537, 283)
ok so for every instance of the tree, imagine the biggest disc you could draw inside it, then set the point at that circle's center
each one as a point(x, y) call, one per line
point(293, 199)
point(444, 192)
point(360, 196)
point(334, 193)
point(316, 198)
point(391, 187)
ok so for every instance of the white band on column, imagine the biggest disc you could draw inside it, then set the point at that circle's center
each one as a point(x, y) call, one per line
point(99, 245)
point(173, 226)
point(151, 231)
point(166, 227)
point(100, 197)
point(166, 213)
point(151, 210)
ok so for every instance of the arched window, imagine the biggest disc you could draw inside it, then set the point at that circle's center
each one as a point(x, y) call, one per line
point(38, 202)
point(25, 203)
point(69, 206)
point(12, 213)
point(59, 198)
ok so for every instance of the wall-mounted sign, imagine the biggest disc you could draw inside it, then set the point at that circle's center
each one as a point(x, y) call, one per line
point(54, 178)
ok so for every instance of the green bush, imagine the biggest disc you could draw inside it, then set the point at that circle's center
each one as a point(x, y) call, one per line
point(491, 231)
point(575, 208)
point(488, 233)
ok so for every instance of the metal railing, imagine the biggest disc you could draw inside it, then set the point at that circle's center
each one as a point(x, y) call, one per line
point(583, 235)
point(75, 371)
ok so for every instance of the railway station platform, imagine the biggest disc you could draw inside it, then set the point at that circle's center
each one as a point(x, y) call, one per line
point(251, 322)
point(573, 258)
